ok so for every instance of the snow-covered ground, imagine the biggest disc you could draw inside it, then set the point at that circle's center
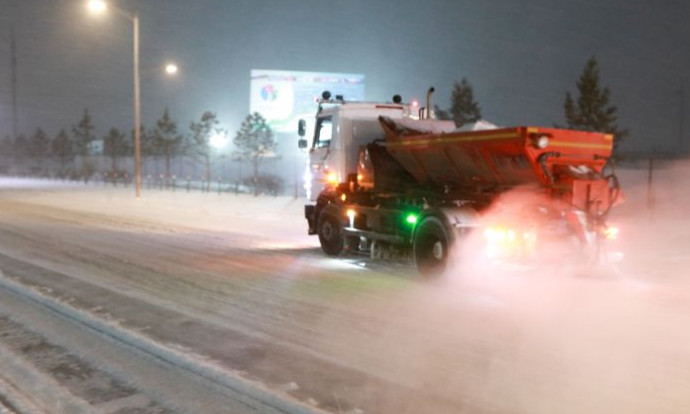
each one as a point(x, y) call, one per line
point(236, 280)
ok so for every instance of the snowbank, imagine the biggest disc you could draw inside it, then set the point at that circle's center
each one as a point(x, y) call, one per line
point(265, 217)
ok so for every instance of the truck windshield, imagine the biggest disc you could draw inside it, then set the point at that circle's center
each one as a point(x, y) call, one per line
point(323, 132)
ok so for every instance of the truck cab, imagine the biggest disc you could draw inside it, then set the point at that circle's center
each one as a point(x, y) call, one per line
point(340, 128)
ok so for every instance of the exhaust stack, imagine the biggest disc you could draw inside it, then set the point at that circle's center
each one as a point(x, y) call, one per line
point(425, 113)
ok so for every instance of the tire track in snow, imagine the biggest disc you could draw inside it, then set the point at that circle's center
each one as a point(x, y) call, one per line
point(185, 361)
point(347, 319)
point(282, 308)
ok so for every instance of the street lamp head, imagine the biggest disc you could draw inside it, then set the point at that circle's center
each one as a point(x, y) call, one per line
point(218, 141)
point(171, 69)
point(97, 6)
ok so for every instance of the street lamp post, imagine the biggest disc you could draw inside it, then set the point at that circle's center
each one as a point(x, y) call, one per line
point(99, 6)
point(137, 107)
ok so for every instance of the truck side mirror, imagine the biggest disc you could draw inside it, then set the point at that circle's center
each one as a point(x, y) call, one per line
point(302, 143)
point(301, 128)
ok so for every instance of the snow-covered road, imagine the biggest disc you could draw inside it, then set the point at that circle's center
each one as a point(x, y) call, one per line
point(235, 282)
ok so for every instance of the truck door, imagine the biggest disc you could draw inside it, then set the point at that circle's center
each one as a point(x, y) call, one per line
point(319, 156)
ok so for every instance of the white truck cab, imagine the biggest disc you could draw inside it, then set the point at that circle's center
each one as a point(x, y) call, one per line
point(340, 129)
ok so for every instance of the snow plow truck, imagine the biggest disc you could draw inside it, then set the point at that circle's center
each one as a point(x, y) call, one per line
point(385, 181)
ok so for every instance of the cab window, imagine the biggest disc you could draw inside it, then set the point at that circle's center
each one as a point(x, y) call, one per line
point(323, 132)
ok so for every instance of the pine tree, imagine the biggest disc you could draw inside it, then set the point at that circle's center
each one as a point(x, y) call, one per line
point(83, 134)
point(441, 113)
point(115, 145)
point(63, 149)
point(38, 146)
point(145, 145)
point(20, 148)
point(167, 141)
point(592, 111)
point(7, 148)
point(255, 142)
point(202, 132)
point(83, 137)
point(464, 109)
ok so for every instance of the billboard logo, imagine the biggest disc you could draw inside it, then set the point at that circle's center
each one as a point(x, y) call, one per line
point(269, 93)
point(283, 97)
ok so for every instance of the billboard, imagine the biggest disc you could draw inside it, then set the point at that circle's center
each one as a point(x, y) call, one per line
point(283, 97)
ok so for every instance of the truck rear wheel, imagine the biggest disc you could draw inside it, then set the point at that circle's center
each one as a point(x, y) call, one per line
point(430, 247)
point(330, 230)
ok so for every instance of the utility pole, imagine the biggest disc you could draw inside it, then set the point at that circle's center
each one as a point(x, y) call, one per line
point(137, 107)
point(13, 60)
point(681, 125)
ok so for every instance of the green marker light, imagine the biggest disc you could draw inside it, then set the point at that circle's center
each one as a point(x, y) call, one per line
point(412, 219)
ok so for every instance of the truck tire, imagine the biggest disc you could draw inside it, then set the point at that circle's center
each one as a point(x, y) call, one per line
point(431, 247)
point(330, 230)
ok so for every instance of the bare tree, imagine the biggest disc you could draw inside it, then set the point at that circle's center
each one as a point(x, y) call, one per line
point(202, 132)
point(38, 147)
point(255, 143)
point(63, 149)
point(167, 141)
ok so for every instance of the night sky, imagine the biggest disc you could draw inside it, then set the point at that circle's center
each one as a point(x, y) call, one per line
point(520, 56)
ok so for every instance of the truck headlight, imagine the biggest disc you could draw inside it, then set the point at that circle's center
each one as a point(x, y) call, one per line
point(611, 233)
point(351, 213)
point(541, 141)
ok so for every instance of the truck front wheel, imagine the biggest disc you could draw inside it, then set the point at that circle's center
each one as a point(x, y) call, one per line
point(330, 230)
point(430, 247)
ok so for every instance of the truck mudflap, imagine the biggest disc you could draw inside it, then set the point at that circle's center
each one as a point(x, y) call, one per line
point(310, 215)
point(461, 218)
